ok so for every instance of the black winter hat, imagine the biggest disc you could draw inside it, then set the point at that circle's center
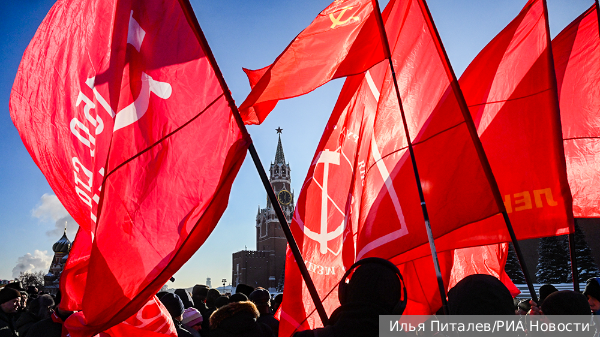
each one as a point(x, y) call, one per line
point(200, 290)
point(7, 294)
point(592, 288)
point(260, 296)
point(546, 290)
point(221, 301)
point(239, 297)
point(16, 285)
point(566, 302)
point(173, 304)
point(244, 289)
point(185, 297)
point(480, 295)
point(374, 283)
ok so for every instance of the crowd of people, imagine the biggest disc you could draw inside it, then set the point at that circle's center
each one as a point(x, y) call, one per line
point(374, 288)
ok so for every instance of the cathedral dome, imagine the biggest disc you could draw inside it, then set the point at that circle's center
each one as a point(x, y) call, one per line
point(63, 245)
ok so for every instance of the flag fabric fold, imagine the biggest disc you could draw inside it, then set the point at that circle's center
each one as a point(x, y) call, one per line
point(343, 40)
point(511, 92)
point(126, 117)
point(576, 53)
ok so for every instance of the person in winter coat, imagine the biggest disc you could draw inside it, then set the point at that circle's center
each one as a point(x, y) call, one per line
point(565, 302)
point(238, 319)
point(592, 292)
point(185, 297)
point(374, 289)
point(9, 304)
point(199, 293)
point(492, 297)
point(175, 307)
point(262, 299)
point(51, 327)
point(211, 301)
point(38, 309)
point(192, 320)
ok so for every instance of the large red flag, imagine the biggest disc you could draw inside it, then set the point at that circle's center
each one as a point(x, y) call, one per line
point(343, 40)
point(127, 118)
point(511, 93)
point(360, 197)
point(421, 282)
point(577, 62)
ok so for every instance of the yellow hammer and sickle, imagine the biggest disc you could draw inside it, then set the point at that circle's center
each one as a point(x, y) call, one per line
point(338, 21)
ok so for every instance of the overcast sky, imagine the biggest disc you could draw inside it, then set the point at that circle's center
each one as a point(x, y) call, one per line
point(241, 34)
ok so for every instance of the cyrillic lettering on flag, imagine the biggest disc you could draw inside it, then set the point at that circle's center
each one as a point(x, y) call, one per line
point(328, 206)
point(576, 53)
point(343, 40)
point(511, 94)
point(129, 122)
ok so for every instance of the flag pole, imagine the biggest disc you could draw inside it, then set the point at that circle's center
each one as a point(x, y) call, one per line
point(572, 252)
point(478, 146)
point(259, 167)
point(436, 264)
point(573, 256)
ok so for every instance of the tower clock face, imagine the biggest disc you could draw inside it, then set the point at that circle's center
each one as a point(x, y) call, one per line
point(284, 197)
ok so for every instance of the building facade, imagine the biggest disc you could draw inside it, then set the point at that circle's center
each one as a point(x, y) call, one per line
point(265, 266)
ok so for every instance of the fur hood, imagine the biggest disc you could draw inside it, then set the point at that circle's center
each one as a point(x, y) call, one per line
point(231, 310)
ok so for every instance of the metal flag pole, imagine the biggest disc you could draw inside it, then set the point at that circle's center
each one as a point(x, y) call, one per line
point(479, 147)
point(259, 167)
point(572, 252)
point(438, 273)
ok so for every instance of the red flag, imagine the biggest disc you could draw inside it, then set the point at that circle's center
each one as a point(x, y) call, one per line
point(577, 62)
point(343, 40)
point(360, 197)
point(455, 265)
point(127, 118)
point(511, 93)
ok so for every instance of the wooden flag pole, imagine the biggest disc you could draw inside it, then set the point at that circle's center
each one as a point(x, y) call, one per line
point(436, 264)
point(259, 167)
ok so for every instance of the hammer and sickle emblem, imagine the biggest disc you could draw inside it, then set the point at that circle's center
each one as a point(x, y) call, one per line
point(338, 21)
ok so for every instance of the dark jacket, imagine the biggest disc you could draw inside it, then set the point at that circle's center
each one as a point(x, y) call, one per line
point(182, 331)
point(45, 328)
point(7, 325)
point(26, 321)
point(355, 320)
point(238, 319)
point(270, 320)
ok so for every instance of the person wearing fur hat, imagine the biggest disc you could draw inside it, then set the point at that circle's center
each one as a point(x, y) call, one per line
point(262, 299)
point(175, 307)
point(9, 305)
point(238, 319)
